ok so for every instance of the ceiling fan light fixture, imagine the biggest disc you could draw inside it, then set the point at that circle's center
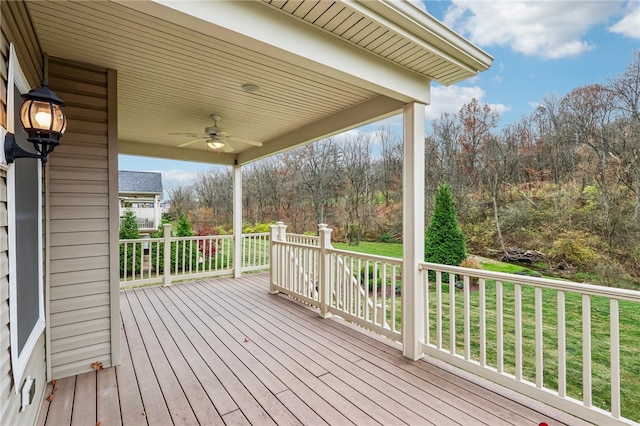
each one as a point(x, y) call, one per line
point(213, 144)
point(251, 88)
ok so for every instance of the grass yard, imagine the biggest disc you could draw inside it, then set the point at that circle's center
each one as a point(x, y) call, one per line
point(380, 249)
point(600, 333)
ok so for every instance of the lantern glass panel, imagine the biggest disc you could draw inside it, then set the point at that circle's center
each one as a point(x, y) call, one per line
point(36, 115)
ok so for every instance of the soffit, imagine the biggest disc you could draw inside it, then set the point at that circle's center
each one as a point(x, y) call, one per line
point(396, 31)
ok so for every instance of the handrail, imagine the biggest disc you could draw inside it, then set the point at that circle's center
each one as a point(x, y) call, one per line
point(143, 260)
point(590, 289)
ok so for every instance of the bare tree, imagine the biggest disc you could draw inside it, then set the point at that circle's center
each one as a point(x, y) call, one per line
point(477, 121)
point(391, 164)
point(214, 191)
point(182, 200)
point(319, 173)
point(359, 184)
point(627, 91)
point(588, 113)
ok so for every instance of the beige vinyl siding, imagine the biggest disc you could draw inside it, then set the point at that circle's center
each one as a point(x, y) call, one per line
point(79, 237)
point(15, 28)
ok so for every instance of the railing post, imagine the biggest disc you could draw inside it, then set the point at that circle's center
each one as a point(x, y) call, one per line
point(282, 231)
point(166, 280)
point(324, 281)
point(274, 235)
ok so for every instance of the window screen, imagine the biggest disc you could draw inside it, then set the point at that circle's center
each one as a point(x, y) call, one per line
point(27, 246)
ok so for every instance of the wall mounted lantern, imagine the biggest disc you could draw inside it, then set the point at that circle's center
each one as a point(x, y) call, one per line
point(44, 121)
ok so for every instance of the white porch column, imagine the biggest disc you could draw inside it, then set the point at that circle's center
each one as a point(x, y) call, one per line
point(157, 214)
point(237, 221)
point(413, 315)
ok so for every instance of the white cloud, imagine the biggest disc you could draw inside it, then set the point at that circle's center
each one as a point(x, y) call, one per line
point(175, 177)
point(450, 99)
point(547, 29)
point(629, 25)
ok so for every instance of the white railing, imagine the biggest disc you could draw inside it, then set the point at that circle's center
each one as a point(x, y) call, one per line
point(365, 290)
point(146, 217)
point(310, 240)
point(570, 345)
point(358, 287)
point(144, 223)
point(163, 260)
point(560, 342)
point(255, 251)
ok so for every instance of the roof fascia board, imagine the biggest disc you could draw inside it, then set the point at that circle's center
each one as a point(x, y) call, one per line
point(260, 28)
point(408, 20)
point(138, 192)
point(364, 113)
point(174, 153)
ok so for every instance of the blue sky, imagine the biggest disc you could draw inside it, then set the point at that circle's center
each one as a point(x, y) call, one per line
point(540, 48)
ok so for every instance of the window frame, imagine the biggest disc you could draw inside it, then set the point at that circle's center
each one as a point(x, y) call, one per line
point(19, 359)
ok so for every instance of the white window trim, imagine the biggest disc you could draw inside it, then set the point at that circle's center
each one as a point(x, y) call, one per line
point(19, 361)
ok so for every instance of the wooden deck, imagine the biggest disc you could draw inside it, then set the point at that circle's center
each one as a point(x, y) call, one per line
point(224, 351)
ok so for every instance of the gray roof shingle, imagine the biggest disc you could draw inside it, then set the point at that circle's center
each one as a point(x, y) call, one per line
point(140, 182)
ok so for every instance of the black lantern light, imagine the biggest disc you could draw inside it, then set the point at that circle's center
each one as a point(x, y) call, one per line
point(44, 121)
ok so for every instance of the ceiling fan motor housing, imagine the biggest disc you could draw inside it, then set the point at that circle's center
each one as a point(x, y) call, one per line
point(212, 130)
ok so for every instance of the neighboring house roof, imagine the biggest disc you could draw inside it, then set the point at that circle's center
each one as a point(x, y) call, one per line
point(139, 182)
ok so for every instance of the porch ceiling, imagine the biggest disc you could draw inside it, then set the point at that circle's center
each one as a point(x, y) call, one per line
point(176, 69)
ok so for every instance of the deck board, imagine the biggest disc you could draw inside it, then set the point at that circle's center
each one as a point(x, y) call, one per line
point(84, 401)
point(225, 351)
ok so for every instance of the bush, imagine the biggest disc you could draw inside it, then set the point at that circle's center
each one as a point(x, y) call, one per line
point(367, 276)
point(257, 228)
point(129, 231)
point(184, 254)
point(577, 248)
point(207, 249)
point(387, 238)
point(473, 263)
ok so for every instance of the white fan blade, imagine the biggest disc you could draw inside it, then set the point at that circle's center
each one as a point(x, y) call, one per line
point(227, 148)
point(200, 139)
point(191, 135)
point(245, 141)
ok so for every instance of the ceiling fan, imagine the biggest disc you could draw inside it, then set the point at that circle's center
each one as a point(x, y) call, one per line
point(216, 138)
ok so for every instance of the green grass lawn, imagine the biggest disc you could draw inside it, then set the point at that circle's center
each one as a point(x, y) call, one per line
point(380, 249)
point(600, 333)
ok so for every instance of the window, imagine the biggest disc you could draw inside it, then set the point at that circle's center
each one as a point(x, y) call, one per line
point(24, 205)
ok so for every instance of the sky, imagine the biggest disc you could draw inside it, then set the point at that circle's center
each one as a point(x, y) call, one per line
point(539, 47)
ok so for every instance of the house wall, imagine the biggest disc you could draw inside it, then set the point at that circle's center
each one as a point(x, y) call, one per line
point(83, 314)
point(15, 28)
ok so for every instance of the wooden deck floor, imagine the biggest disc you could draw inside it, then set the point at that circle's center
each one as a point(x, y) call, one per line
point(225, 351)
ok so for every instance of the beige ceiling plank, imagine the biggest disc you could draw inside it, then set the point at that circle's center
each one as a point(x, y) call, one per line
point(358, 26)
point(291, 6)
point(395, 49)
point(373, 37)
point(338, 19)
point(348, 23)
point(303, 8)
point(329, 14)
point(317, 10)
point(384, 44)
